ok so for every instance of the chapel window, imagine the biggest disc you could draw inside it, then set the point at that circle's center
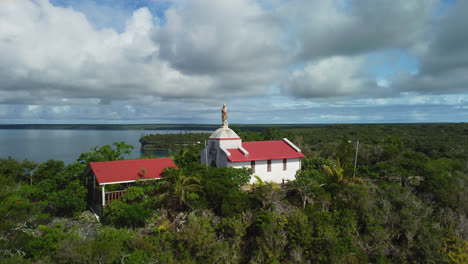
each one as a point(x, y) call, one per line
point(269, 166)
point(285, 166)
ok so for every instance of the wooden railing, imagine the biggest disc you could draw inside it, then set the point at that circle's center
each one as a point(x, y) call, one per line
point(115, 195)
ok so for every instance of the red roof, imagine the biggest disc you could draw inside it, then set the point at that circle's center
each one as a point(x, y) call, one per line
point(264, 150)
point(129, 170)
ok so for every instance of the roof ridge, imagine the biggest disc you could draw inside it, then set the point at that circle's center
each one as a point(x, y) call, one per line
point(262, 141)
point(128, 160)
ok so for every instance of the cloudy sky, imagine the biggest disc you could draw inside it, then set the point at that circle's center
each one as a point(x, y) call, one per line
point(277, 61)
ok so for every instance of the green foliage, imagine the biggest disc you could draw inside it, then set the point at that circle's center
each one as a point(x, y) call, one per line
point(12, 172)
point(444, 180)
point(198, 237)
point(346, 151)
point(122, 214)
point(172, 142)
point(57, 188)
point(176, 186)
point(221, 187)
point(267, 194)
point(189, 158)
point(391, 148)
point(274, 133)
point(15, 208)
point(268, 238)
point(71, 200)
point(306, 185)
point(48, 170)
point(233, 230)
point(106, 153)
point(108, 247)
point(235, 203)
point(137, 256)
point(46, 244)
point(457, 250)
point(133, 193)
point(164, 247)
point(335, 172)
point(271, 133)
point(72, 172)
point(387, 218)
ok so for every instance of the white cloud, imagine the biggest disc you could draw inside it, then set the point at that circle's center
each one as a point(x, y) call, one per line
point(383, 83)
point(236, 43)
point(329, 77)
point(205, 49)
point(326, 28)
point(292, 56)
point(339, 118)
point(50, 51)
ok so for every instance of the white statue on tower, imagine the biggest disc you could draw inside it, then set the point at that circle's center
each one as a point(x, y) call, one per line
point(224, 116)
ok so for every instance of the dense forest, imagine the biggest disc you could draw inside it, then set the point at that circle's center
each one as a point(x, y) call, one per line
point(405, 202)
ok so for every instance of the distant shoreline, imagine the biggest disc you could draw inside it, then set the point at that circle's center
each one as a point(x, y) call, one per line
point(252, 127)
point(109, 126)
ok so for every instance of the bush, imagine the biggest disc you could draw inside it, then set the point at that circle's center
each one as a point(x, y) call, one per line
point(122, 214)
point(47, 243)
point(221, 186)
point(71, 201)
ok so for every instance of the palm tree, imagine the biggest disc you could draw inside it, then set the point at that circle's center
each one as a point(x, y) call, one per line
point(335, 171)
point(175, 186)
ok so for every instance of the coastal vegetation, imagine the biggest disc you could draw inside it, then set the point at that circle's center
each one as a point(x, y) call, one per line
point(405, 202)
point(171, 142)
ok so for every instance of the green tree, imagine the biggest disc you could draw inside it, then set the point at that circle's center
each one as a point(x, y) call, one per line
point(11, 171)
point(106, 153)
point(273, 133)
point(176, 186)
point(48, 170)
point(199, 237)
point(233, 229)
point(269, 238)
point(268, 194)
point(189, 158)
point(71, 200)
point(121, 214)
point(392, 147)
point(221, 187)
point(335, 172)
point(28, 168)
point(47, 243)
point(346, 150)
point(306, 185)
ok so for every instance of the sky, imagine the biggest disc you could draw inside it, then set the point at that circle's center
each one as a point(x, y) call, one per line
point(277, 61)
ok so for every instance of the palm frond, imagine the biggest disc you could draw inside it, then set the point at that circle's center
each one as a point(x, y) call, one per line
point(259, 181)
point(328, 170)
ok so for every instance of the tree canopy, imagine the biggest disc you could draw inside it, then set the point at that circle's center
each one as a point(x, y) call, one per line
point(408, 203)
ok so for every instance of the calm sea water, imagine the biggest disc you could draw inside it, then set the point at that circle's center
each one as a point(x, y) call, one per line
point(41, 145)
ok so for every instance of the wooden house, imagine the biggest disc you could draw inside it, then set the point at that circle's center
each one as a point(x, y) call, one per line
point(123, 173)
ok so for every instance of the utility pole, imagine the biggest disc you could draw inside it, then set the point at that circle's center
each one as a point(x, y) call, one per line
point(206, 156)
point(355, 158)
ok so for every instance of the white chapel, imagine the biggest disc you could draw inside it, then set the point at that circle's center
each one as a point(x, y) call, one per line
point(272, 161)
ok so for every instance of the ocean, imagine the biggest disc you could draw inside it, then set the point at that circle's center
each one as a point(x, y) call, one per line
point(41, 145)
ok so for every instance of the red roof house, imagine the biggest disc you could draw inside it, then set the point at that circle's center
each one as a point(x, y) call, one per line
point(124, 171)
point(100, 174)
